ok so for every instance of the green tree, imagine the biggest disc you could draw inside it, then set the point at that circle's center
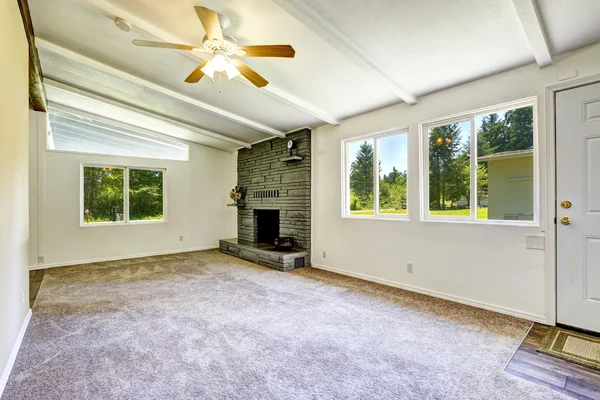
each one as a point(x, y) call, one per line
point(361, 178)
point(491, 136)
point(512, 132)
point(519, 128)
point(103, 193)
point(446, 180)
point(145, 194)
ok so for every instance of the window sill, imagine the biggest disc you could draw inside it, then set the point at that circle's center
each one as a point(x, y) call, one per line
point(527, 224)
point(96, 224)
point(91, 224)
point(145, 222)
point(377, 217)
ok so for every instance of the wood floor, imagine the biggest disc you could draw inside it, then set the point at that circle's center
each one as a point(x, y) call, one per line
point(35, 281)
point(575, 380)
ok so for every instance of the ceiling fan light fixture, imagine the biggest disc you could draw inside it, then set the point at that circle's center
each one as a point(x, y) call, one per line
point(231, 71)
point(219, 62)
point(209, 69)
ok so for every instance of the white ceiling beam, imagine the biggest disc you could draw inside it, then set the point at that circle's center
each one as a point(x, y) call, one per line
point(529, 15)
point(85, 94)
point(43, 44)
point(110, 10)
point(335, 38)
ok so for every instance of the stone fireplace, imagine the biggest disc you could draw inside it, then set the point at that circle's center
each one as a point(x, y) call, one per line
point(276, 203)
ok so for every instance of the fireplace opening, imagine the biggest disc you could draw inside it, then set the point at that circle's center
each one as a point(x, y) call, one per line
point(267, 225)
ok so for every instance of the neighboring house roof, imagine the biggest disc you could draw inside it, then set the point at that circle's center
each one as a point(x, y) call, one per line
point(507, 154)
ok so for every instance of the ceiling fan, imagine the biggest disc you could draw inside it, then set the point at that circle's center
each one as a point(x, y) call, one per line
point(218, 50)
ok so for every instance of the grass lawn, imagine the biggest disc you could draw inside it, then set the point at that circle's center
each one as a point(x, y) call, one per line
point(482, 213)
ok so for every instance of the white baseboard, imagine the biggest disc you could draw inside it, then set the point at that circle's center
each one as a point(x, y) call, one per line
point(13, 354)
point(95, 260)
point(457, 299)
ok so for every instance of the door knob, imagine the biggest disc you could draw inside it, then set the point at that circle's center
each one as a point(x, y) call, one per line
point(565, 204)
point(565, 221)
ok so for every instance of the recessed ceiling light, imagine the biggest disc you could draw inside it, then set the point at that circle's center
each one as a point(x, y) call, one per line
point(122, 24)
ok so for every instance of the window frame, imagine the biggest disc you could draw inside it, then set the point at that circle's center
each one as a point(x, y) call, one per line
point(345, 143)
point(471, 116)
point(126, 220)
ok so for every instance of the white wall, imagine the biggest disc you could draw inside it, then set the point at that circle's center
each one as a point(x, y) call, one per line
point(196, 194)
point(14, 105)
point(483, 265)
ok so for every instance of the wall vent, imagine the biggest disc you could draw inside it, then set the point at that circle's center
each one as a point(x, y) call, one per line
point(299, 262)
point(266, 194)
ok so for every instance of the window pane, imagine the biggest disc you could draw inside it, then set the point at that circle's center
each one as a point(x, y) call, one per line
point(103, 189)
point(145, 195)
point(392, 154)
point(505, 165)
point(450, 170)
point(360, 155)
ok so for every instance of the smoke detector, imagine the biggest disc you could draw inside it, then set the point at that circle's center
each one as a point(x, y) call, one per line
point(122, 24)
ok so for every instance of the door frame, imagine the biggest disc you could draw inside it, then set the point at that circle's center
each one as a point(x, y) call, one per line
point(551, 195)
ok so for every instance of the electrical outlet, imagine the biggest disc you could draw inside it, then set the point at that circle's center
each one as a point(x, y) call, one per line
point(324, 254)
point(409, 268)
point(40, 259)
point(22, 298)
point(181, 238)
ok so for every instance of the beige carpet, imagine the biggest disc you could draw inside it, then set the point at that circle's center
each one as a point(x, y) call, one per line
point(209, 326)
point(572, 346)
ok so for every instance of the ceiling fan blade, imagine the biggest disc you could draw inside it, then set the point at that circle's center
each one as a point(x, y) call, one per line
point(275, 50)
point(210, 22)
point(196, 74)
point(164, 45)
point(250, 74)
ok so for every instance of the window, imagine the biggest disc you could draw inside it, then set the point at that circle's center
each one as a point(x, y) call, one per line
point(480, 166)
point(119, 195)
point(381, 192)
point(77, 131)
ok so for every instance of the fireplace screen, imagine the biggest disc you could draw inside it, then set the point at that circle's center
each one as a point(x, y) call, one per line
point(267, 225)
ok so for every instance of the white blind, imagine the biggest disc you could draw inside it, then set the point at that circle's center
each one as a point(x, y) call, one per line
point(84, 134)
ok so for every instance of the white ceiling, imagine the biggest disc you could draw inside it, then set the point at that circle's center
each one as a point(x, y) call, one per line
point(352, 56)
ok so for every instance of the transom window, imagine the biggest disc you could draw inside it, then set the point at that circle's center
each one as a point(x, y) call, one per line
point(80, 132)
point(480, 166)
point(121, 195)
point(376, 175)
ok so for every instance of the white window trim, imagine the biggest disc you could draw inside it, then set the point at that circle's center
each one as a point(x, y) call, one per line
point(126, 220)
point(346, 175)
point(470, 116)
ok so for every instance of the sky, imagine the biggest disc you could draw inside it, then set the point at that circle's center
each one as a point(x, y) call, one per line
point(392, 152)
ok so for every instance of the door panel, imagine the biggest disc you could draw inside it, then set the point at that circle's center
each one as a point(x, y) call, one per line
point(591, 149)
point(592, 269)
point(591, 110)
point(578, 181)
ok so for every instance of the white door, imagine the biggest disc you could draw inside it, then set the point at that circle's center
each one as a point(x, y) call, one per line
point(578, 227)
